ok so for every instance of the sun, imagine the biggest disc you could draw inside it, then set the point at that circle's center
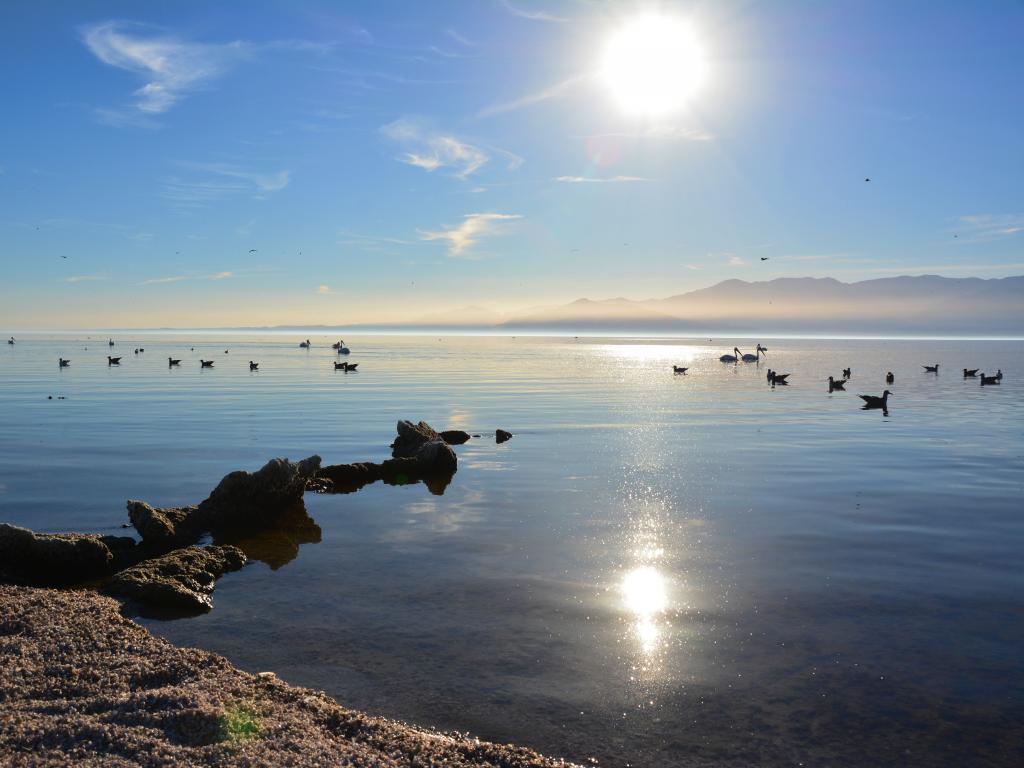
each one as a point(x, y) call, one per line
point(653, 65)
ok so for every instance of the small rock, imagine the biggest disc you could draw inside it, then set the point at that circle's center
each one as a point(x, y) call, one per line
point(40, 559)
point(437, 458)
point(454, 436)
point(165, 529)
point(501, 436)
point(411, 437)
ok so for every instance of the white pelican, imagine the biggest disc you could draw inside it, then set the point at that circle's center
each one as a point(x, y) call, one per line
point(731, 358)
point(748, 358)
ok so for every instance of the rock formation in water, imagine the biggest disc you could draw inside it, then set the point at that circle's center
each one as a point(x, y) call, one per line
point(454, 436)
point(57, 559)
point(178, 583)
point(501, 436)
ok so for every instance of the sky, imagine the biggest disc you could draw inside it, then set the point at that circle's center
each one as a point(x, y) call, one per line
point(197, 164)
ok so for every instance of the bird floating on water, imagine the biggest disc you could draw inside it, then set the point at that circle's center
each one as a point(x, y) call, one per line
point(749, 358)
point(679, 369)
point(304, 344)
point(731, 358)
point(931, 368)
point(970, 373)
point(62, 363)
point(205, 363)
point(873, 401)
point(777, 378)
point(889, 378)
point(113, 360)
point(253, 366)
point(171, 361)
point(10, 340)
point(834, 385)
point(847, 373)
point(986, 380)
point(110, 343)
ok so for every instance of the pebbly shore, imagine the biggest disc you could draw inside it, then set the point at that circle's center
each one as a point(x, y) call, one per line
point(82, 685)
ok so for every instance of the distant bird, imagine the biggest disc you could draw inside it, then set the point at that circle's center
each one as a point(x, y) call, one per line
point(999, 374)
point(846, 373)
point(340, 366)
point(252, 250)
point(110, 343)
point(748, 358)
point(225, 351)
point(253, 366)
point(62, 362)
point(779, 378)
point(866, 179)
point(136, 351)
point(171, 361)
point(834, 385)
point(956, 235)
point(10, 340)
point(113, 360)
point(205, 363)
point(764, 258)
point(304, 344)
point(142, 349)
point(873, 401)
point(351, 366)
point(731, 358)
point(970, 373)
point(889, 378)
point(931, 368)
point(677, 369)
point(986, 380)
point(63, 257)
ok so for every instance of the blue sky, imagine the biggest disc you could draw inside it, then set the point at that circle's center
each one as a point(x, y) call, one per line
point(255, 163)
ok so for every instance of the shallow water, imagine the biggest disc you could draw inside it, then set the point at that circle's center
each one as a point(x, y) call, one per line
point(657, 570)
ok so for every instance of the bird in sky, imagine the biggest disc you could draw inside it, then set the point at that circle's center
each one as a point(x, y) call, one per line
point(252, 250)
point(867, 179)
point(764, 258)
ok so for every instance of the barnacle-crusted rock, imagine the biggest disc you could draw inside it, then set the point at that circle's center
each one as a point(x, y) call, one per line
point(44, 559)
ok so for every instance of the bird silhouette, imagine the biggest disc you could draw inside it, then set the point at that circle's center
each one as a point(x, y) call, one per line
point(764, 258)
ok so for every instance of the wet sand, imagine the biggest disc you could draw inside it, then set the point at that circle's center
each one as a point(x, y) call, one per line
point(81, 684)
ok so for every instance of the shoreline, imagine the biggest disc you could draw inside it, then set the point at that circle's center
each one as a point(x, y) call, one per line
point(83, 684)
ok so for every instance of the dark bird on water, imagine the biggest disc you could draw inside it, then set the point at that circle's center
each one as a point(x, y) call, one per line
point(253, 366)
point(171, 361)
point(205, 363)
point(889, 378)
point(10, 340)
point(986, 380)
point(834, 385)
point(676, 368)
point(778, 378)
point(873, 401)
point(999, 374)
point(970, 373)
point(931, 368)
point(62, 362)
point(846, 373)
point(113, 360)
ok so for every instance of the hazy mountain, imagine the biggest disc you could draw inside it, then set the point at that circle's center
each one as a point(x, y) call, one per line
point(925, 304)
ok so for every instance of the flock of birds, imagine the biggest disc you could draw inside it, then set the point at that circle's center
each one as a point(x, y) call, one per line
point(339, 347)
point(839, 384)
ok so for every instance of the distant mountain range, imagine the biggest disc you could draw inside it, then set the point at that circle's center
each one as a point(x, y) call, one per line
point(925, 304)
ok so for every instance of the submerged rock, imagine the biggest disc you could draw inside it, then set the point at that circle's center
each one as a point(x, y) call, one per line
point(454, 436)
point(42, 559)
point(501, 436)
point(178, 583)
point(278, 546)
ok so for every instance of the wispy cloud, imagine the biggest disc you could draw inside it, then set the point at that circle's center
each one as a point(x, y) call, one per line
point(431, 150)
point(991, 226)
point(180, 278)
point(170, 68)
point(545, 94)
point(354, 238)
point(531, 13)
point(737, 261)
point(597, 180)
point(84, 278)
point(459, 38)
point(474, 226)
point(221, 181)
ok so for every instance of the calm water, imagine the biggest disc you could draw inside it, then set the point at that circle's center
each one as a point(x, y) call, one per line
point(657, 570)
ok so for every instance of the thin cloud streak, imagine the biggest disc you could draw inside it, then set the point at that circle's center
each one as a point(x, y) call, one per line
point(475, 226)
point(526, 13)
point(991, 226)
point(431, 150)
point(181, 278)
point(84, 278)
point(593, 180)
point(545, 94)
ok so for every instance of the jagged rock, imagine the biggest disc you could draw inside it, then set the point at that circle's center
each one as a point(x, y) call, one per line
point(178, 583)
point(500, 435)
point(454, 436)
point(41, 559)
point(346, 478)
point(165, 529)
point(258, 499)
point(411, 437)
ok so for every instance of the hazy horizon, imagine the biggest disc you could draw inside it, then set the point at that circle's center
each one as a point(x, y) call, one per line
point(186, 164)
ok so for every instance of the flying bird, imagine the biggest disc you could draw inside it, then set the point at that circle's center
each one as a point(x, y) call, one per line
point(764, 258)
point(867, 179)
point(252, 250)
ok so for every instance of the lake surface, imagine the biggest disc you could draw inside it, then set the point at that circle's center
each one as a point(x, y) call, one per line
point(657, 570)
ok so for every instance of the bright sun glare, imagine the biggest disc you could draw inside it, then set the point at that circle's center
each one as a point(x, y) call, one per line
point(652, 65)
